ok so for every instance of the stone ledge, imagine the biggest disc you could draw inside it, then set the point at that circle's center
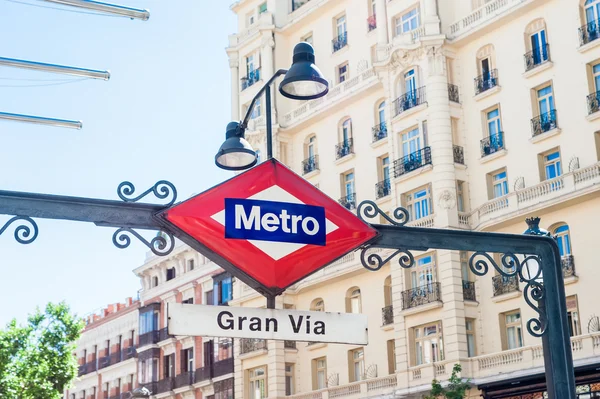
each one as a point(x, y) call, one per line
point(506, 297)
point(493, 156)
point(410, 112)
point(311, 174)
point(252, 354)
point(545, 135)
point(318, 345)
point(422, 308)
point(571, 280)
point(487, 93)
point(380, 142)
point(344, 159)
point(413, 173)
point(538, 69)
point(589, 46)
point(593, 117)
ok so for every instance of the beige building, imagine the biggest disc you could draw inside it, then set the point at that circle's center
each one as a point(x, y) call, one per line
point(470, 114)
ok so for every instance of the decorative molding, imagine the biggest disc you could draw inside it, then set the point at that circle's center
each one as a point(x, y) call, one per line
point(362, 66)
point(436, 60)
point(446, 200)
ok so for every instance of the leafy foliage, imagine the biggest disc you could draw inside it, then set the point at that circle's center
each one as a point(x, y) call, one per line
point(457, 388)
point(36, 359)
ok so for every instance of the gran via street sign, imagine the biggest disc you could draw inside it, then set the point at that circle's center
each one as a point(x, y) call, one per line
point(271, 225)
point(278, 324)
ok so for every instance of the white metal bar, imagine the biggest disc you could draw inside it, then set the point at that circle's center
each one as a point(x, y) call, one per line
point(65, 70)
point(136, 13)
point(38, 120)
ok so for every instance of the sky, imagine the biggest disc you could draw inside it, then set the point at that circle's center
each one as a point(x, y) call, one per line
point(162, 115)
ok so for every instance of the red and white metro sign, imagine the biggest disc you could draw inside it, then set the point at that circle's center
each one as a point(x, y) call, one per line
point(271, 224)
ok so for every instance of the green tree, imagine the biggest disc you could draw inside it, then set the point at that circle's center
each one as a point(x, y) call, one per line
point(36, 359)
point(457, 387)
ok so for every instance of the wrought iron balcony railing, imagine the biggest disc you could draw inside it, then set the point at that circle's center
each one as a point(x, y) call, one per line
point(544, 123)
point(469, 291)
point(289, 344)
point(149, 338)
point(593, 101)
point(503, 284)
point(372, 22)
point(103, 362)
point(165, 385)
point(164, 335)
point(128, 353)
point(87, 368)
point(568, 265)
point(589, 32)
point(537, 57)
point(383, 189)
point(310, 164)
point(486, 81)
point(413, 161)
point(421, 295)
point(340, 41)
point(349, 201)
point(459, 154)
point(151, 386)
point(409, 100)
point(379, 131)
point(492, 144)
point(344, 148)
point(203, 374)
point(387, 315)
point(252, 344)
point(253, 77)
point(184, 379)
point(223, 367)
point(453, 93)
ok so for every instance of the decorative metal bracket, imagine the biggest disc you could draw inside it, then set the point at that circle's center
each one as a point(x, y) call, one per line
point(161, 245)
point(24, 234)
point(161, 190)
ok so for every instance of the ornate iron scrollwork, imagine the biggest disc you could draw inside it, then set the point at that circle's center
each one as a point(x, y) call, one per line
point(368, 210)
point(162, 189)
point(161, 245)
point(24, 234)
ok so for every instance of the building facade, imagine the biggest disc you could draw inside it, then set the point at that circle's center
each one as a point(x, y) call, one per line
point(469, 114)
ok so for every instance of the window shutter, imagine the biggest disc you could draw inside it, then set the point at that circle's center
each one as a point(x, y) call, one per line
point(351, 366)
point(314, 374)
point(183, 361)
point(412, 347)
point(348, 305)
point(503, 338)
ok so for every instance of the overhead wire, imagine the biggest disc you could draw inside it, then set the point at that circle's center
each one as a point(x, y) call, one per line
point(66, 10)
point(47, 84)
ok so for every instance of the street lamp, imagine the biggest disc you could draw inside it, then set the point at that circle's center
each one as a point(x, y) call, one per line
point(303, 81)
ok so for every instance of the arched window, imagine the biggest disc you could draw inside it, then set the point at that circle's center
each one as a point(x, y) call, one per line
point(345, 146)
point(486, 69)
point(311, 146)
point(346, 130)
point(563, 239)
point(317, 305)
point(536, 44)
point(310, 162)
point(154, 281)
point(353, 301)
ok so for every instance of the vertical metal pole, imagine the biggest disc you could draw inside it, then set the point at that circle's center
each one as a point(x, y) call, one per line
point(270, 302)
point(269, 125)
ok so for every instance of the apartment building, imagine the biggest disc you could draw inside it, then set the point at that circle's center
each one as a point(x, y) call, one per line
point(127, 346)
point(469, 114)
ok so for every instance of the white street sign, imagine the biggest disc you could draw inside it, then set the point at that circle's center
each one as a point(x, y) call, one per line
point(277, 324)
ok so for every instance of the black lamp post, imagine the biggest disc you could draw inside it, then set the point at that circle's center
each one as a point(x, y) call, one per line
point(303, 81)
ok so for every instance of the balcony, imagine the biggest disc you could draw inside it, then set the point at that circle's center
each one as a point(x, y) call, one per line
point(593, 101)
point(453, 93)
point(184, 379)
point(165, 385)
point(421, 295)
point(222, 367)
point(469, 291)
point(163, 335)
point(128, 353)
point(344, 148)
point(486, 81)
point(459, 154)
point(409, 100)
point(151, 386)
point(252, 344)
point(537, 57)
point(253, 77)
point(504, 285)
point(492, 144)
point(589, 32)
point(568, 266)
point(340, 42)
point(203, 374)
point(413, 161)
point(87, 368)
point(379, 132)
point(544, 123)
point(103, 362)
point(492, 10)
point(310, 164)
point(387, 315)
point(289, 344)
point(383, 189)
point(149, 338)
point(349, 201)
point(372, 22)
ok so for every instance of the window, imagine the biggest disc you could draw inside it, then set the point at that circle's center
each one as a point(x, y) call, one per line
point(573, 316)
point(148, 321)
point(539, 48)
point(188, 301)
point(308, 39)
point(563, 240)
point(169, 365)
point(154, 281)
point(349, 184)
point(460, 196)
point(250, 19)
point(410, 84)
point(353, 301)
point(262, 8)
point(250, 66)
point(428, 344)
point(188, 359)
point(373, 7)
point(552, 165)
point(311, 150)
point(407, 22)
point(391, 353)
point(170, 273)
point(223, 389)
point(346, 131)
point(411, 142)
point(418, 203)
point(545, 100)
point(190, 264)
point(464, 265)
point(317, 305)
point(424, 275)
point(222, 289)
point(340, 24)
point(319, 373)
point(289, 379)
point(514, 338)
point(494, 125)
point(381, 115)
point(470, 327)
point(592, 10)
point(385, 168)
point(596, 73)
point(256, 111)
point(499, 184)
point(357, 370)
point(222, 349)
point(107, 347)
point(342, 72)
point(257, 383)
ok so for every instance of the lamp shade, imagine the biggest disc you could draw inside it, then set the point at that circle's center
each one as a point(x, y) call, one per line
point(235, 152)
point(303, 81)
